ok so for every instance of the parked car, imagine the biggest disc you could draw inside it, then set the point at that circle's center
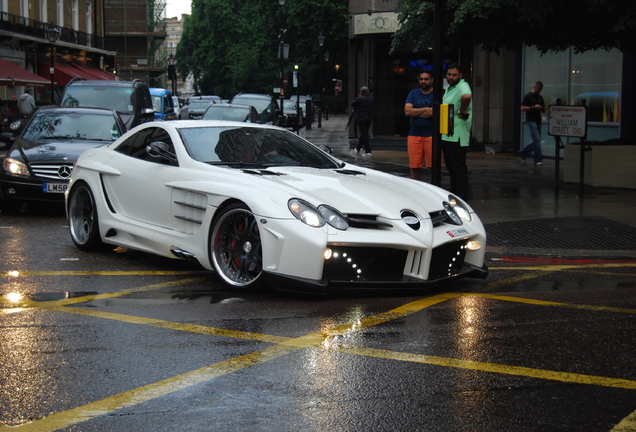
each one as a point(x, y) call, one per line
point(215, 99)
point(163, 104)
point(232, 112)
point(177, 105)
point(266, 105)
point(39, 162)
point(195, 109)
point(290, 114)
point(131, 99)
point(260, 206)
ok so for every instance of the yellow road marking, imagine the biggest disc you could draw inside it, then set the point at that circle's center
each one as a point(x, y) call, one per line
point(284, 346)
point(151, 391)
point(628, 424)
point(561, 267)
point(172, 325)
point(87, 298)
point(16, 273)
point(549, 303)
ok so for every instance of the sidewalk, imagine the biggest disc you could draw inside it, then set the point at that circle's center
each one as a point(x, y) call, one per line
point(517, 202)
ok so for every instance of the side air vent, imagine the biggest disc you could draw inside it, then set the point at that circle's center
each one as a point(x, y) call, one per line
point(367, 222)
point(440, 217)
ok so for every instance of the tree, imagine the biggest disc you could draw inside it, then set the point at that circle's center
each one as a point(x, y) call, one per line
point(236, 42)
point(549, 25)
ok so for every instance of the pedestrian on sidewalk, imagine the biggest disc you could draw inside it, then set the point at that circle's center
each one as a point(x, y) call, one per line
point(363, 106)
point(419, 107)
point(26, 104)
point(533, 105)
point(455, 146)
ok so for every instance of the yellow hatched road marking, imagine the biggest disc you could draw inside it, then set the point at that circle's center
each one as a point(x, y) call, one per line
point(284, 346)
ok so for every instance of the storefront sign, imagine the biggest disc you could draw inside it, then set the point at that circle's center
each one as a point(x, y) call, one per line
point(567, 120)
point(383, 22)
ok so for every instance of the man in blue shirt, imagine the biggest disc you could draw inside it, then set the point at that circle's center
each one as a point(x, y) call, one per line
point(419, 107)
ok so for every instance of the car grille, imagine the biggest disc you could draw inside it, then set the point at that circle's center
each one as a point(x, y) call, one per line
point(447, 260)
point(52, 171)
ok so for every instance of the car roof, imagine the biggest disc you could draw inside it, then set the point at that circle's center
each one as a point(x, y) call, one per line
point(230, 105)
point(71, 109)
point(104, 83)
point(253, 95)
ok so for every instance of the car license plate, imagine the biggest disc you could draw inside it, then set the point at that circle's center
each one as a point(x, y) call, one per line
point(54, 187)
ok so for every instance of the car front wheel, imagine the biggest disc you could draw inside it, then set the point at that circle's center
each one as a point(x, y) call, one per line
point(235, 248)
point(82, 218)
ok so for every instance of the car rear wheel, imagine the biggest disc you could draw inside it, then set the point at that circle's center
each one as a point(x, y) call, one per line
point(235, 248)
point(82, 218)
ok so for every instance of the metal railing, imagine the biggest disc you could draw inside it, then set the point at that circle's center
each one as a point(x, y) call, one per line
point(30, 27)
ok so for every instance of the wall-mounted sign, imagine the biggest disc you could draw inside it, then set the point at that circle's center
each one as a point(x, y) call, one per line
point(383, 22)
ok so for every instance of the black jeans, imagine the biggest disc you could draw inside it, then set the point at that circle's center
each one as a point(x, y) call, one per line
point(455, 158)
point(364, 126)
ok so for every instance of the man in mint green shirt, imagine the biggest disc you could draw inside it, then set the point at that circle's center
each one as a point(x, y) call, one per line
point(454, 146)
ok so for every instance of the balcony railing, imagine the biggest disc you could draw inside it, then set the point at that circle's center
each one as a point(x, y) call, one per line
point(26, 26)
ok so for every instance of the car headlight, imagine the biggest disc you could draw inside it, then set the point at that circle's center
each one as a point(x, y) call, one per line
point(333, 217)
point(306, 213)
point(317, 217)
point(16, 167)
point(460, 208)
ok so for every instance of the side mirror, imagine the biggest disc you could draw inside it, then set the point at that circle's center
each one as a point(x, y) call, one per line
point(147, 112)
point(160, 149)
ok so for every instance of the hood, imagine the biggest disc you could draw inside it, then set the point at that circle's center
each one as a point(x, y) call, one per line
point(53, 151)
point(357, 190)
point(24, 97)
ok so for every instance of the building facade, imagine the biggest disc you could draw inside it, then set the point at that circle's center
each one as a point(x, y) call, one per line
point(600, 79)
point(80, 49)
point(136, 30)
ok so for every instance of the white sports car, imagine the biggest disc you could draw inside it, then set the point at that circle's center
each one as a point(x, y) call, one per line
point(262, 206)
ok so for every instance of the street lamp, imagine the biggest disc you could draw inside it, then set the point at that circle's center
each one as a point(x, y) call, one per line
point(172, 73)
point(321, 42)
point(52, 34)
point(324, 90)
point(281, 55)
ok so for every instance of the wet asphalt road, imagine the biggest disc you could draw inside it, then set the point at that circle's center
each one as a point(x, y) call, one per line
point(123, 341)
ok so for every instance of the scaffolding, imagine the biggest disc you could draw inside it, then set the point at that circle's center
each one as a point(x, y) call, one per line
point(136, 29)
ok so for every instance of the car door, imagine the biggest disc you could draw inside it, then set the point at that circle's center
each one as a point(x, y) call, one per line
point(140, 192)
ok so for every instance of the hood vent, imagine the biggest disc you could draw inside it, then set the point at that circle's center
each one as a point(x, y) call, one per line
point(262, 172)
point(349, 172)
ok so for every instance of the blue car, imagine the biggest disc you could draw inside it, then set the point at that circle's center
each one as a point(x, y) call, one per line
point(163, 104)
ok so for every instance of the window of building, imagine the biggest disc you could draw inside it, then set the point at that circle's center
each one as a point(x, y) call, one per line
point(59, 12)
point(43, 11)
point(592, 77)
point(75, 12)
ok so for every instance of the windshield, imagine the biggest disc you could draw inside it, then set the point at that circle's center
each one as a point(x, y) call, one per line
point(118, 99)
point(227, 113)
point(249, 146)
point(72, 126)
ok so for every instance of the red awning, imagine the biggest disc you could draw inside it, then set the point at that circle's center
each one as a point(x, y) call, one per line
point(12, 75)
point(66, 72)
point(97, 73)
point(62, 73)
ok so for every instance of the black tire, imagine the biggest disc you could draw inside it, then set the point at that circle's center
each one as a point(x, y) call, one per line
point(82, 218)
point(235, 248)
